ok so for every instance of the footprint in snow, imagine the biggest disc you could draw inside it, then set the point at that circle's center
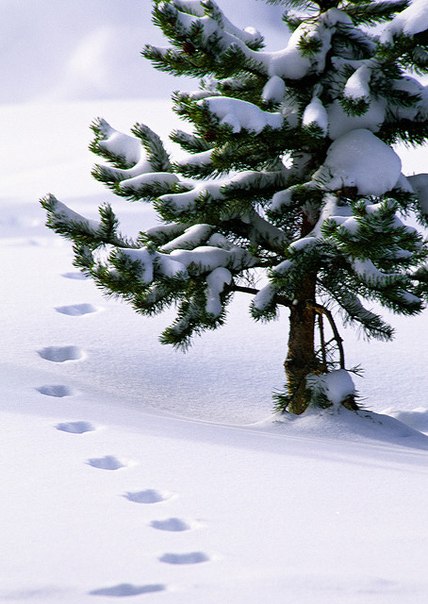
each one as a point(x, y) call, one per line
point(175, 525)
point(57, 390)
point(74, 275)
point(77, 310)
point(60, 354)
point(75, 427)
point(127, 589)
point(147, 496)
point(187, 558)
point(109, 462)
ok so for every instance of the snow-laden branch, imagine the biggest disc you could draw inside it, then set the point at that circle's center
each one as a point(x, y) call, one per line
point(359, 159)
point(241, 114)
point(410, 21)
point(292, 62)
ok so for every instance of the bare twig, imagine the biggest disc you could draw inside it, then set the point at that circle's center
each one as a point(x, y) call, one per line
point(323, 311)
point(322, 340)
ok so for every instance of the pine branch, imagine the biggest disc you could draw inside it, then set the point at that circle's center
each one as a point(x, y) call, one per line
point(372, 13)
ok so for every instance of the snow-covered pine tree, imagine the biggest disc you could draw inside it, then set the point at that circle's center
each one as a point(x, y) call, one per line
point(291, 191)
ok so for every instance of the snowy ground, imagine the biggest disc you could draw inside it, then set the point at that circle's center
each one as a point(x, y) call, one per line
point(132, 471)
point(110, 490)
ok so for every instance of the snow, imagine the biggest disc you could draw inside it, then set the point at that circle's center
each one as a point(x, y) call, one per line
point(120, 144)
point(197, 159)
point(413, 87)
point(210, 26)
point(340, 122)
point(207, 257)
point(191, 238)
point(65, 213)
point(274, 89)
point(192, 6)
point(409, 298)
point(145, 258)
point(185, 201)
point(360, 159)
point(357, 87)
point(202, 258)
point(419, 183)
point(162, 178)
point(290, 63)
point(264, 297)
point(281, 198)
point(368, 273)
point(199, 259)
point(302, 243)
point(216, 282)
point(247, 33)
point(316, 114)
point(283, 267)
point(132, 471)
point(241, 114)
point(169, 267)
point(410, 21)
point(336, 386)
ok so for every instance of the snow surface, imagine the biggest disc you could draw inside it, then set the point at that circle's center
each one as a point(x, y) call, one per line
point(133, 471)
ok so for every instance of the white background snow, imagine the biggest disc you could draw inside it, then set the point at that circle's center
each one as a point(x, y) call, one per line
point(132, 471)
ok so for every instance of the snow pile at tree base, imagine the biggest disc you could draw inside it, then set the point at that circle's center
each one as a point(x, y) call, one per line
point(342, 424)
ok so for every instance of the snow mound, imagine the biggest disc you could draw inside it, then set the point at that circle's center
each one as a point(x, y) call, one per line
point(360, 159)
point(342, 424)
point(415, 418)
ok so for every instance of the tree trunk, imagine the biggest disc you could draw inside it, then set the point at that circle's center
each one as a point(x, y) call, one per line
point(301, 359)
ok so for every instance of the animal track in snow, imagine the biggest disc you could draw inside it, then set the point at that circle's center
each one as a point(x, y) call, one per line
point(147, 496)
point(60, 354)
point(74, 275)
point(58, 390)
point(187, 558)
point(109, 462)
point(75, 427)
point(77, 310)
point(175, 525)
point(127, 589)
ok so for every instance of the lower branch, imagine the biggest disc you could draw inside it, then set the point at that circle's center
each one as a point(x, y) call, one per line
point(323, 311)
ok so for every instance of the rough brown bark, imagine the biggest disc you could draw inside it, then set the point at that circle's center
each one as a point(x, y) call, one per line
point(301, 358)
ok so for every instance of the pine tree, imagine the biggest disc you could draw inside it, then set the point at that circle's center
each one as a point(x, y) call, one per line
point(291, 191)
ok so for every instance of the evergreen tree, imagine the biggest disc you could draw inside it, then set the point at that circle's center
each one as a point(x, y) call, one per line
point(291, 191)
